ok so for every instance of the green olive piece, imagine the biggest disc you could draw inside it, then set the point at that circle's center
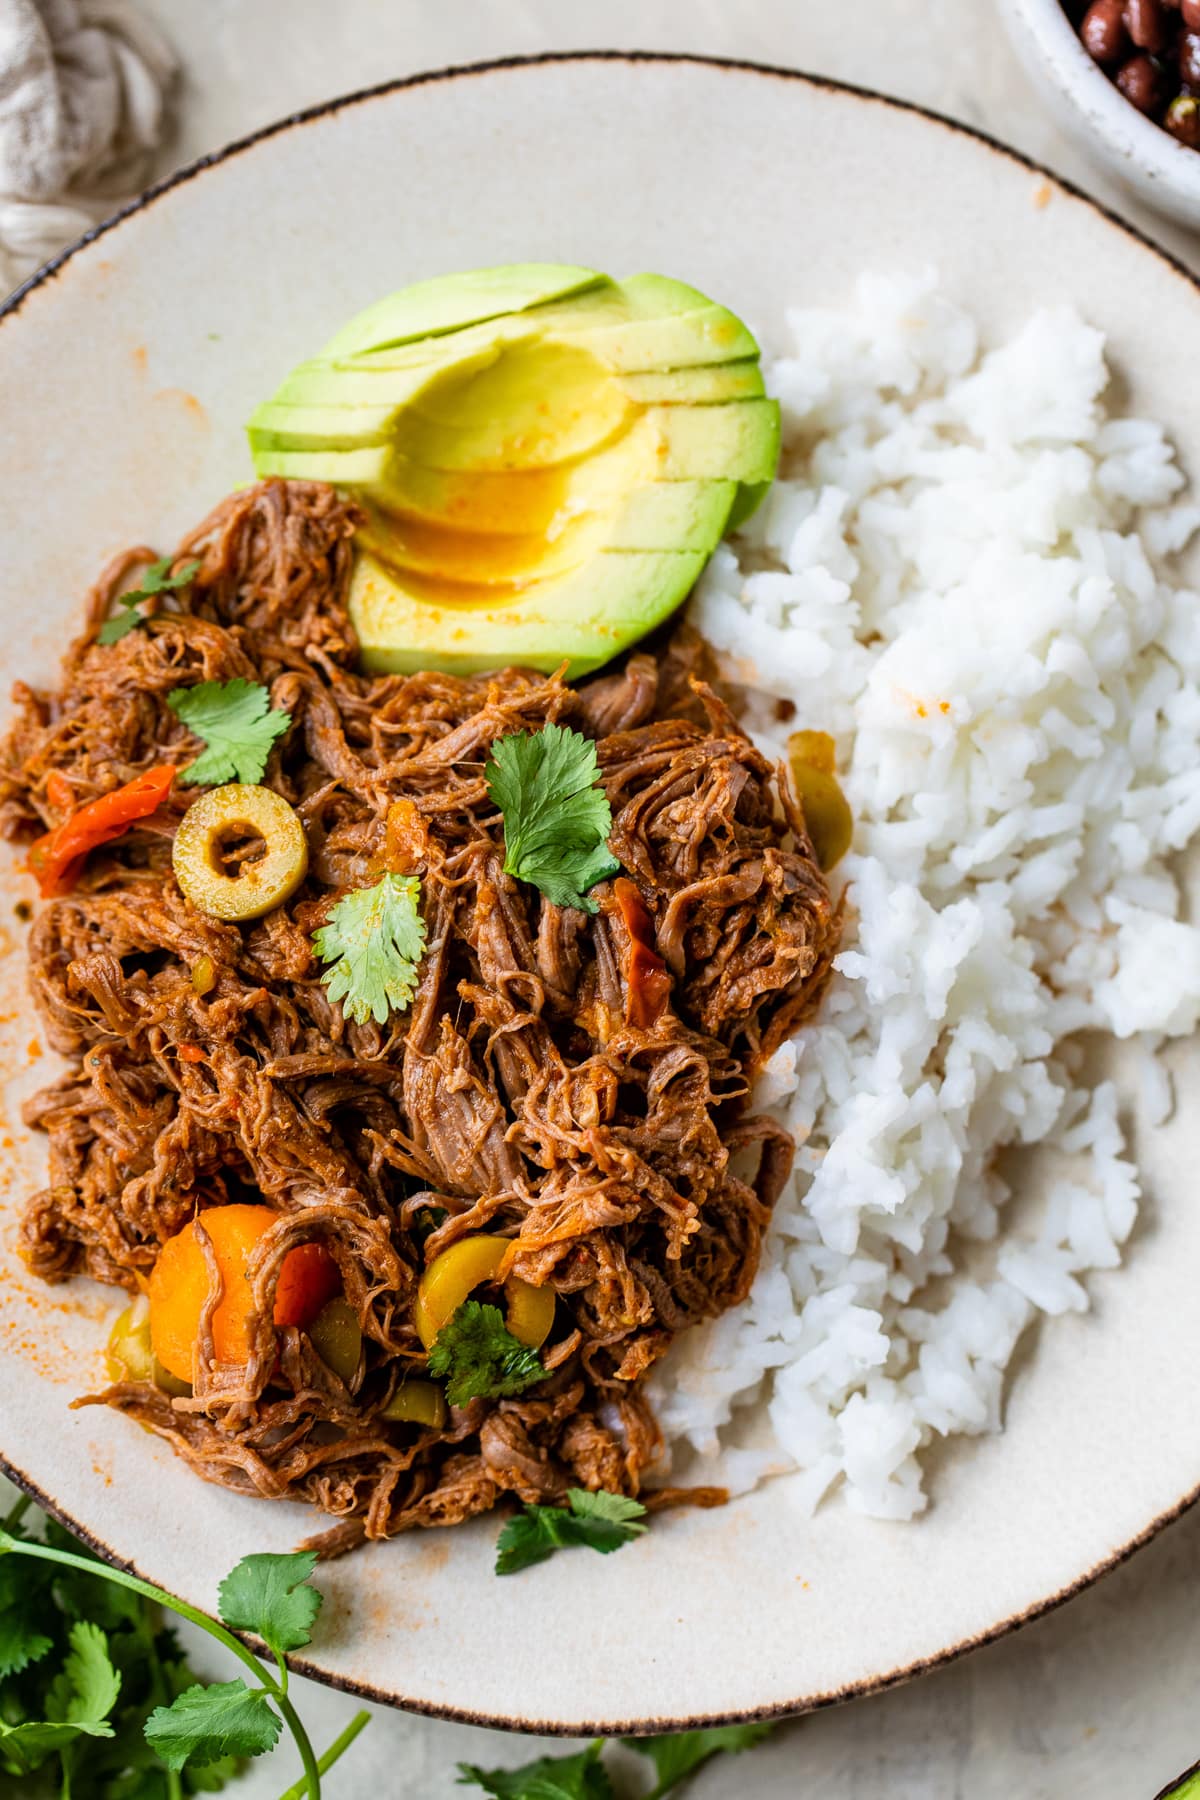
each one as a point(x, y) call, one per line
point(239, 810)
point(827, 814)
point(418, 1403)
point(336, 1336)
point(129, 1356)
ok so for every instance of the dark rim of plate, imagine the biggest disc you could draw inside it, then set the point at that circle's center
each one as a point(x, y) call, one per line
point(803, 1703)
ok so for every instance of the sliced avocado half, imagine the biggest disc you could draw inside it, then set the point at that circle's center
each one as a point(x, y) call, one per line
point(546, 459)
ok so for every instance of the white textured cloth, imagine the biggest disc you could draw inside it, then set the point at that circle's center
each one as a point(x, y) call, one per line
point(84, 92)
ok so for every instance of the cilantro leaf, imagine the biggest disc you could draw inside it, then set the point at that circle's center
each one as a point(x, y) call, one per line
point(679, 1754)
point(156, 580)
point(86, 1690)
point(556, 816)
point(78, 1702)
point(272, 1596)
point(24, 1748)
point(235, 720)
point(480, 1356)
point(204, 1724)
point(607, 1520)
point(600, 1521)
point(89, 1596)
point(212, 1777)
point(114, 629)
point(24, 1611)
point(375, 938)
point(531, 1537)
point(581, 1777)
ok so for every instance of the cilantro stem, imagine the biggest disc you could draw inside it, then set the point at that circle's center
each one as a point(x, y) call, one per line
point(310, 1782)
point(339, 1746)
point(88, 1566)
point(148, 1627)
point(43, 1553)
point(20, 1507)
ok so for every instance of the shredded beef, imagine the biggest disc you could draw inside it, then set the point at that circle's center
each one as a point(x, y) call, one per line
point(515, 1096)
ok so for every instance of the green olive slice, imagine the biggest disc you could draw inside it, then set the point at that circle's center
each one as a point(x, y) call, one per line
point(130, 1356)
point(827, 814)
point(227, 812)
point(418, 1403)
point(336, 1336)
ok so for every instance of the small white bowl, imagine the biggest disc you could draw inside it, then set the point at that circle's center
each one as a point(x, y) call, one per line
point(1133, 149)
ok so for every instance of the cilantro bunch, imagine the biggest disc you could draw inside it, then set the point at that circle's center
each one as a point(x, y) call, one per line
point(94, 1685)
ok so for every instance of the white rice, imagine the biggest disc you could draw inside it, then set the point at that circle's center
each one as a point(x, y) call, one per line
point(957, 575)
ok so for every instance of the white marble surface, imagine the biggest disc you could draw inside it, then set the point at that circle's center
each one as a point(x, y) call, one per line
point(1097, 1702)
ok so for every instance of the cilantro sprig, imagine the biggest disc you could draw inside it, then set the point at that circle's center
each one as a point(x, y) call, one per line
point(583, 1776)
point(579, 1777)
point(600, 1521)
point(374, 939)
point(556, 815)
point(78, 1702)
point(678, 1755)
point(156, 580)
point(480, 1357)
point(89, 1674)
point(235, 722)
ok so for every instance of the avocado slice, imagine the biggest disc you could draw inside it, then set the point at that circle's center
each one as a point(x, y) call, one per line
point(448, 302)
point(701, 385)
point(709, 334)
point(737, 441)
point(670, 515)
point(344, 422)
point(546, 458)
point(584, 618)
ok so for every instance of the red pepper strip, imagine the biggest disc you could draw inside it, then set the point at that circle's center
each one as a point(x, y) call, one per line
point(649, 982)
point(57, 858)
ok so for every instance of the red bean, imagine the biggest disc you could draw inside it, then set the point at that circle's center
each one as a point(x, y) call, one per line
point(1191, 14)
point(1139, 81)
point(1189, 58)
point(1183, 120)
point(1146, 23)
point(1103, 30)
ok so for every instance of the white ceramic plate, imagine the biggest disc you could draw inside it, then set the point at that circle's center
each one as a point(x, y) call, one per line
point(125, 375)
